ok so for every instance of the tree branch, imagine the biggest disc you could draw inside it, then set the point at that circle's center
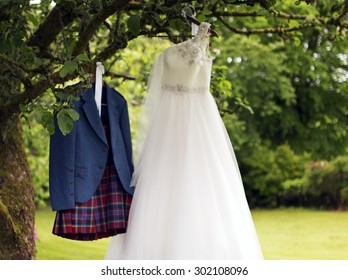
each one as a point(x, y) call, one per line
point(20, 65)
point(46, 34)
point(256, 14)
point(228, 111)
point(41, 86)
point(241, 2)
point(123, 76)
point(275, 30)
point(64, 12)
point(95, 23)
point(290, 16)
point(34, 91)
point(120, 42)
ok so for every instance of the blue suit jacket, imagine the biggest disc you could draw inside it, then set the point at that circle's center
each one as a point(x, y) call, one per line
point(77, 160)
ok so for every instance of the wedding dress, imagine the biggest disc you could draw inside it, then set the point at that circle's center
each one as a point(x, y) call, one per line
point(189, 200)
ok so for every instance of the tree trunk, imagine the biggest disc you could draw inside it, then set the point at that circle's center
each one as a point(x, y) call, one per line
point(17, 206)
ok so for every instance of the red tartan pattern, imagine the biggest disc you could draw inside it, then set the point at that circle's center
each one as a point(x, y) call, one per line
point(104, 215)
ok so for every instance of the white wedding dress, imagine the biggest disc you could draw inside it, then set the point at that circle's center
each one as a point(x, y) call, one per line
point(189, 201)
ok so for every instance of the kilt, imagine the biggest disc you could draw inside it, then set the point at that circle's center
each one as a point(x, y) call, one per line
point(104, 215)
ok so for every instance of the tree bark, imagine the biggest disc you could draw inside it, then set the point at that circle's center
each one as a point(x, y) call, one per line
point(17, 205)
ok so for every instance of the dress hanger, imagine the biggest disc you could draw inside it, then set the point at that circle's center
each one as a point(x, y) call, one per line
point(197, 22)
point(194, 21)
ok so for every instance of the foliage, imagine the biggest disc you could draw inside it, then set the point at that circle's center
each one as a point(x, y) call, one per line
point(326, 184)
point(45, 45)
point(280, 177)
point(266, 173)
point(319, 115)
point(293, 91)
point(36, 140)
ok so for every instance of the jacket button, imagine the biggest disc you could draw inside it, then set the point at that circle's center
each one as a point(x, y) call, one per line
point(105, 150)
point(100, 167)
point(71, 170)
point(72, 194)
point(71, 182)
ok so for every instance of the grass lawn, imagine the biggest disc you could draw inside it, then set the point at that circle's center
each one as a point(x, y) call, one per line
point(302, 234)
point(52, 247)
point(285, 234)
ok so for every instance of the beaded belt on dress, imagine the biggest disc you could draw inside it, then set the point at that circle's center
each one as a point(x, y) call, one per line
point(180, 89)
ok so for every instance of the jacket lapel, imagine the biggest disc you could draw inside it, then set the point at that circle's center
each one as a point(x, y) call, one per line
point(91, 111)
point(114, 119)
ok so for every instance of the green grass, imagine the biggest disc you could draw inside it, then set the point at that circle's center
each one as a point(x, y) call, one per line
point(299, 234)
point(284, 234)
point(52, 247)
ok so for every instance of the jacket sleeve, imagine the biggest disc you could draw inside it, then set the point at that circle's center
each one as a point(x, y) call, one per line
point(61, 169)
point(126, 133)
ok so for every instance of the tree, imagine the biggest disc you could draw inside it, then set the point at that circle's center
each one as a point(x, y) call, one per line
point(295, 85)
point(45, 45)
point(296, 90)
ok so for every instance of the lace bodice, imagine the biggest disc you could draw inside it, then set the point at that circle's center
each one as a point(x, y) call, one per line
point(187, 66)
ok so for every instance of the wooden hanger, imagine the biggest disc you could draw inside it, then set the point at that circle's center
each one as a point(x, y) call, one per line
point(197, 22)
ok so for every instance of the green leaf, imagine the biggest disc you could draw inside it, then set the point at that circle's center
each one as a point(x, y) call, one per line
point(201, 17)
point(81, 57)
point(206, 11)
point(65, 121)
point(177, 24)
point(32, 18)
point(63, 72)
point(73, 97)
point(22, 108)
point(73, 114)
point(61, 95)
point(71, 48)
point(69, 67)
point(47, 122)
point(133, 24)
point(45, 118)
point(297, 41)
point(37, 62)
point(297, 3)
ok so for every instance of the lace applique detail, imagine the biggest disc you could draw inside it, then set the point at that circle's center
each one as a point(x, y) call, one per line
point(191, 53)
point(181, 90)
point(196, 49)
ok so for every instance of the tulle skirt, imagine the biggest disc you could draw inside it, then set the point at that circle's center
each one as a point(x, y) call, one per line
point(189, 201)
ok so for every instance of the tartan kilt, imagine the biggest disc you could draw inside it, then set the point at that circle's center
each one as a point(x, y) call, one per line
point(104, 215)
